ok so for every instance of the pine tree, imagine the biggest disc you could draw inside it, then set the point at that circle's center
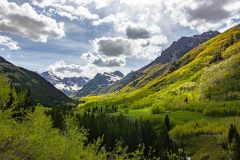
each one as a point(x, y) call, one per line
point(232, 133)
point(167, 122)
point(236, 148)
point(234, 142)
point(11, 99)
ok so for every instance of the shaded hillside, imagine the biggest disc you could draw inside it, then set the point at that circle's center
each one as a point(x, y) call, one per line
point(16, 82)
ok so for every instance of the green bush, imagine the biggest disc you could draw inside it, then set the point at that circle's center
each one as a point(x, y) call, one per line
point(157, 110)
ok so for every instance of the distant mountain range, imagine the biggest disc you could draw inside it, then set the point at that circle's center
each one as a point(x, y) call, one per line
point(68, 85)
point(82, 86)
point(110, 82)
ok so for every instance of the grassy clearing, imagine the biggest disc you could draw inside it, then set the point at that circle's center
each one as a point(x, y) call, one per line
point(176, 117)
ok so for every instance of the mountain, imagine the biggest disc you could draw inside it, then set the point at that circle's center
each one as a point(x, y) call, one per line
point(68, 85)
point(17, 82)
point(205, 79)
point(176, 50)
point(99, 82)
point(51, 77)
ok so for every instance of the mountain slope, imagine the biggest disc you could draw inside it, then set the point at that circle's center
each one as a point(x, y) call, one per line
point(99, 82)
point(68, 85)
point(176, 50)
point(16, 81)
point(203, 79)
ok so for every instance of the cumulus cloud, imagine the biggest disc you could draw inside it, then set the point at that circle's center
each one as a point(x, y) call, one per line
point(158, 16)
point(25, 21)
point(137, 33)
point(211, 11)
point(204, 15)
point(112, 47)
point(144, 35)
point(112, 52)
point(74, 10)
point(8, 43)
point(161, 16)
point(108, 19)
point(104, 61)
point(62, 69)
point(112, 62)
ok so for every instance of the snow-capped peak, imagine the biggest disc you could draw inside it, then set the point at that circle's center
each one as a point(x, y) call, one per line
point(68, 85)
point(100, 81)
point(113, 76)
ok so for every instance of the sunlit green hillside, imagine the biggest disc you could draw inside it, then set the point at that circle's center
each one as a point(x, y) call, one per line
point(205, 79)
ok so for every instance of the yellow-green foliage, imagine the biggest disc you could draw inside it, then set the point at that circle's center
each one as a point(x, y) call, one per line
point(34, 138)
point(204, 138)
point(217, 127)
point(205, 147)
point(222, 81)
point(4, 91)
point(208, 73)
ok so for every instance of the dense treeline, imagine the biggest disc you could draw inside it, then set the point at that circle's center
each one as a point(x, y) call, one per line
point(153, 136)
point(34, 137)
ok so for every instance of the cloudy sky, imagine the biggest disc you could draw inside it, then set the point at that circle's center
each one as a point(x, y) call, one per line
point(83, 37)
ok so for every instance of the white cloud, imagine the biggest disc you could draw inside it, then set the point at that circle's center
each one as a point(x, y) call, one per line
point(109, 62)
point(8, 43)
point(108, 19)
point(157, 16)
point(98, 4)
point(204, 15)
point(112, 52)
point(164, 15)
point(74, 10)
point(112, 47)
point(24, 21)
point(62, 69)
point(104, 61)
point(137, 33)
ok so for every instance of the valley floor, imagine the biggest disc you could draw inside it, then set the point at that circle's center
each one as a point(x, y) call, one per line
point(202, 136)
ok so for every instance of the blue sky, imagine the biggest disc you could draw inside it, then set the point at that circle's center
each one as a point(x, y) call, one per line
point(84, 37)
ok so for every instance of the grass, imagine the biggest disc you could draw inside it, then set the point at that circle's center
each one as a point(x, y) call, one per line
point(205, 147)
point(177, 117)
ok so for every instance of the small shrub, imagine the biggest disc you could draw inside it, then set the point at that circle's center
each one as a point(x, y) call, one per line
point(126, 111)
point(157, 110)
